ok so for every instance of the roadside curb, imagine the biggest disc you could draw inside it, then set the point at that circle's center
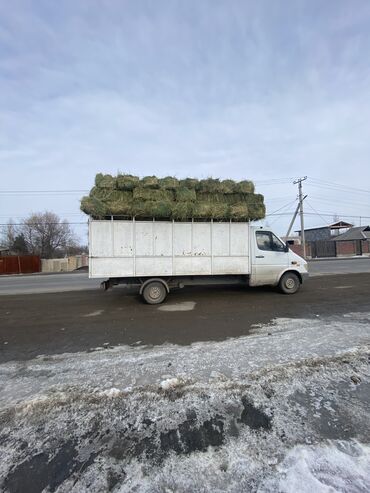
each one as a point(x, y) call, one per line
point(322, 259)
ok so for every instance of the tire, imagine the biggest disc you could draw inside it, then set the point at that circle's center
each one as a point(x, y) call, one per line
point(154, 293)
point(289, 283)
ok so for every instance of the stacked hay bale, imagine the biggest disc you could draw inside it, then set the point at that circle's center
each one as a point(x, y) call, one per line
point(170, 198)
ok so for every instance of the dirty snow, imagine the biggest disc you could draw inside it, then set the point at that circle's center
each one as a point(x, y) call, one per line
point(183, 306)
point(285, 409)
point(94, 314)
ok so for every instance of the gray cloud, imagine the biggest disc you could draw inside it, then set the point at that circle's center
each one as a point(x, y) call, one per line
point(243, 89)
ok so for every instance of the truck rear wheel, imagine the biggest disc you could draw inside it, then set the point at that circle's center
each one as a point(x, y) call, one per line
point(154, 293)
point(289, 283)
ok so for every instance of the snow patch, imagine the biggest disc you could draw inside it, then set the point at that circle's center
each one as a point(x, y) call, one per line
point(326, 467)
point(184, 306)
point(169, 383)
point(94, 314)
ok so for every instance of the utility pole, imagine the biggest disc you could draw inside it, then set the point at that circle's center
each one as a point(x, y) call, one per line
point(294, 217)
point(300, 198)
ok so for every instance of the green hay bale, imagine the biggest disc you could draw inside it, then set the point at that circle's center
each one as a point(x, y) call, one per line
point(107, 194)
point(209, 210)
point(127, 182)
point(105, 181)
point(239, 211)
point(149, 209)
point(119, 208)
point(182, 210)
point(185, 195)
point(152, 194)
point(169, 183)
point(93, 207)
point(210, 185)
point(191, 183)
point(211, 198)
point(257, 211)
point(244, 186)
point(228, 186)
point(235, 198)
point(149, 182)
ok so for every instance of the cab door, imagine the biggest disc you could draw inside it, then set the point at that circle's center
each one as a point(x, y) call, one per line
point(269, 259)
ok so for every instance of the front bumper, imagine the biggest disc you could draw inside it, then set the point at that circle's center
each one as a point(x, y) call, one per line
point(305, 276)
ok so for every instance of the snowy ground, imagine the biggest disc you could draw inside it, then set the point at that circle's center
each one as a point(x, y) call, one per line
point(285, 409)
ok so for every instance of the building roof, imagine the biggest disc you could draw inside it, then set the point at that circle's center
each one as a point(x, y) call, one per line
point(357, 233)
point(337, 225)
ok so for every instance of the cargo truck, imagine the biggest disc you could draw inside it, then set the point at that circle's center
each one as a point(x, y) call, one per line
point(158, 256)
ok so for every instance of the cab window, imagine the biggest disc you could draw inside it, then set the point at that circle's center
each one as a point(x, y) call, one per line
point(268, 241)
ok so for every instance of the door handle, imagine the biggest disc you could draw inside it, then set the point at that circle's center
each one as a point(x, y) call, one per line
point(260, 256)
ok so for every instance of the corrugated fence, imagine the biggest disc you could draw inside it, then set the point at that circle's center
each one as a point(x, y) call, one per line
point(20, 264)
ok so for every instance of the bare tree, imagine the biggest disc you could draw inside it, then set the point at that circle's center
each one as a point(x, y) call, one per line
point(8, 234)
point(45, 234)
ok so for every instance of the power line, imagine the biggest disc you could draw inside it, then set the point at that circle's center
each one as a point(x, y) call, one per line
point(309, 205)
point(347, 201)
point(336, 186)
point(283, 207)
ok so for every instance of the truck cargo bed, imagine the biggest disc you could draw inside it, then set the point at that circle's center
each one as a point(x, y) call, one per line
point(167, 248)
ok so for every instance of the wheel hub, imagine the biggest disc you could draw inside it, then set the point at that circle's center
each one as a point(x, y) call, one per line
point(154, 293)
point(289, 283)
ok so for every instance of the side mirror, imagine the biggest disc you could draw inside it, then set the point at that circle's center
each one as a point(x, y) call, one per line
point(286, 250)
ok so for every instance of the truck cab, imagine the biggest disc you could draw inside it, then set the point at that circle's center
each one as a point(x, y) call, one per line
point(273, 263)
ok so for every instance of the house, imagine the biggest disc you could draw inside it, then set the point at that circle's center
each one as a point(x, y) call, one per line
point(326, 232)
point(355, 241)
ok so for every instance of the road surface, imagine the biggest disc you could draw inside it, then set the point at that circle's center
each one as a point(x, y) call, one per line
point(59, 283)
point(49, 323)
point(339, 266)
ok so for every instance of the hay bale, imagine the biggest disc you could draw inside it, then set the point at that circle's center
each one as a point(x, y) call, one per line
point(191, 183)
point(119, 208)
point(210, 185)
point(257, 209)
point(210, 210)
point(152, 194)
point(107, 194)
point(239, 212)
point(169, 183)
point(149, 182)
point(105, 181)
point(127, 182)
point(182, 210)
point(227, 186)
point(236, 198)
point(184, 194)
point(212, 198)
point(169, 198)
point(150, 209)
point(244, 186)
point(93, 207)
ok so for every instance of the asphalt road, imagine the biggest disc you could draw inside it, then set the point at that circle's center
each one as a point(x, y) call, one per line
point(77, 281)
point(47, 283)
point(339, 266)
point(51, 323)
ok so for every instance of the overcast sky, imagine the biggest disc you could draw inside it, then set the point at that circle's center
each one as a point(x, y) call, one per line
point(263, 90)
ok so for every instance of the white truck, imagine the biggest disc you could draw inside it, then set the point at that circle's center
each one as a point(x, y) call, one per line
point(160, 255)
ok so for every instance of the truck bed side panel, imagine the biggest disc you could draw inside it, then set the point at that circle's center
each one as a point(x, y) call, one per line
point(161, 248)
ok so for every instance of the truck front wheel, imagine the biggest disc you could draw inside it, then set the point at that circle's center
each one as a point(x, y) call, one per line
point(154, 293)
point(289, 283)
